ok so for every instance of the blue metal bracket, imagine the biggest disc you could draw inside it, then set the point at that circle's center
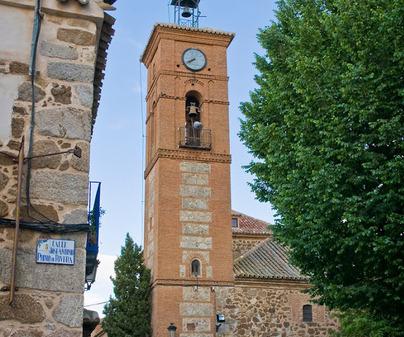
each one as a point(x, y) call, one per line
point(92, 246)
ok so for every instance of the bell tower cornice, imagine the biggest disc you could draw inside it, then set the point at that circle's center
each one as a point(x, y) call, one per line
point(185, 34)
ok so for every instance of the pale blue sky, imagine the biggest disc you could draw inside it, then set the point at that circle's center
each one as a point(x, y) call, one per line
point(116, 158)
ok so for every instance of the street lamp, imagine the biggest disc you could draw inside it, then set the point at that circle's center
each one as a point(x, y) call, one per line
point(171, 330)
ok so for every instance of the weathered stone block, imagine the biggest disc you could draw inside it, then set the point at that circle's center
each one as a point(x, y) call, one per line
point(194, 204)
point(3, 181)
point(196, 242)
point(60, 187)
point(195, 216)
point(85, 95)
point(209, 272)
point(70, 311)
point(61, 93)
point(77, 216)
point(50, 49)
point(195, 167)
point(196, 309)
point(71, 72)
point(83, 163)
point(196, 335)
point(182, 271)
point(13, 145)
point(66, 333)
point(26, 333)
point(25, 309)
point(19, 110)
point(39, 212)
point(195, 179)
point(17, 127)
point(25, 92)
point(195, 191)
point(19, 68)
point(190, 294)
point(195, 229)
point(64, 166)
point(64, 122)
point(43, 147)
point(3, 208)
point(43, 276)
point(196, 325)
point(76, 36)
point(6, 160)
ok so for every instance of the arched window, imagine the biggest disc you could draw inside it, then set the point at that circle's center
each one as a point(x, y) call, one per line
point(307, 313)
point(195, 268)
point(193, 118)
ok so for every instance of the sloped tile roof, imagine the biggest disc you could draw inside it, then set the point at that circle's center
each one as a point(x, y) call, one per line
point(268, 260)
point(249, 225)
point(107, 32)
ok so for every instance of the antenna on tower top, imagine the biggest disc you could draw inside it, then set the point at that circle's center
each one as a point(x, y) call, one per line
point(186, 12)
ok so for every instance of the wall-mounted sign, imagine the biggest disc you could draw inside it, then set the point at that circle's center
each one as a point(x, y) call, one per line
point(52, 251)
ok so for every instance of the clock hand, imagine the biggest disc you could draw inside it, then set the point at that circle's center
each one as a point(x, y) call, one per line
point(192, 60)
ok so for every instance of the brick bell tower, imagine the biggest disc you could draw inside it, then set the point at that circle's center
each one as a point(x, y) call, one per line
point(188, 239)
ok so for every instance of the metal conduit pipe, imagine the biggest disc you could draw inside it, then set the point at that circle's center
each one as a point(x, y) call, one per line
point(32, 71)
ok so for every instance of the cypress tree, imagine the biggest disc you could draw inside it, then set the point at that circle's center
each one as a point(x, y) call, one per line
point(128, 312)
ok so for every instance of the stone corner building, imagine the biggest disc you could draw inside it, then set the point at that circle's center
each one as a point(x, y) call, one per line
point(215, 272)
point(55, 114)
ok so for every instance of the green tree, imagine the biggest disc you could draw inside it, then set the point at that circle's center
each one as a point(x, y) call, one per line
point(358, 323)
point(128, 312)
point(325, 126)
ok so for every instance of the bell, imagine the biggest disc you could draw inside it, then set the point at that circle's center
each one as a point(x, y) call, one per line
point(192, 110)
point(186, 12)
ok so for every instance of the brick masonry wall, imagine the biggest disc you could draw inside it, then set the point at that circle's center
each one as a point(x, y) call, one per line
point(49, 300)
point(270, 311)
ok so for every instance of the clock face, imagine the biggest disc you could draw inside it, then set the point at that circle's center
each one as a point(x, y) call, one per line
point(194, 59)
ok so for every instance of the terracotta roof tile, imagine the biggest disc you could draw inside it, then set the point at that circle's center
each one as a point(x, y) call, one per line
point(250, 225)
point(194, 29)
point(268, 260)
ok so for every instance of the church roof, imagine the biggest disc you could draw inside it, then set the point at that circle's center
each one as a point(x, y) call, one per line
point(249, 225)
point(268, 260)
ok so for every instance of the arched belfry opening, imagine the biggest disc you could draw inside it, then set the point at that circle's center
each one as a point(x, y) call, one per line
point(193, 115)
point(194, 134)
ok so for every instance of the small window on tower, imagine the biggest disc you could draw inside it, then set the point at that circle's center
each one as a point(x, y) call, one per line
point(234, 222)
point(307, 313)
point(196, 268)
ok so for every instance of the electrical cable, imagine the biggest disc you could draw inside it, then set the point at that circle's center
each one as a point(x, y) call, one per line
point(46, 227)
point(32, 71)
point(94, 304)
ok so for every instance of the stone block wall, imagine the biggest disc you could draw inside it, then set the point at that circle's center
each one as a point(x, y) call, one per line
point(269, 310)
point(195, 218)
point(49, 300)
point(242, 245)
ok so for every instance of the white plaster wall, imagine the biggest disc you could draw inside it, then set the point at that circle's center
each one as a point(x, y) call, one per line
point(8, 93)
point(15, 45)
point(15, 31)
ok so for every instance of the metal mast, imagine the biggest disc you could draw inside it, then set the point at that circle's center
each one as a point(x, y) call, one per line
point(186, 12)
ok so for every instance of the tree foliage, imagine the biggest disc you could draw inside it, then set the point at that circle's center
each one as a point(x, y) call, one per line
point(325, 126)
point(359, 323)
point(128, 312)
